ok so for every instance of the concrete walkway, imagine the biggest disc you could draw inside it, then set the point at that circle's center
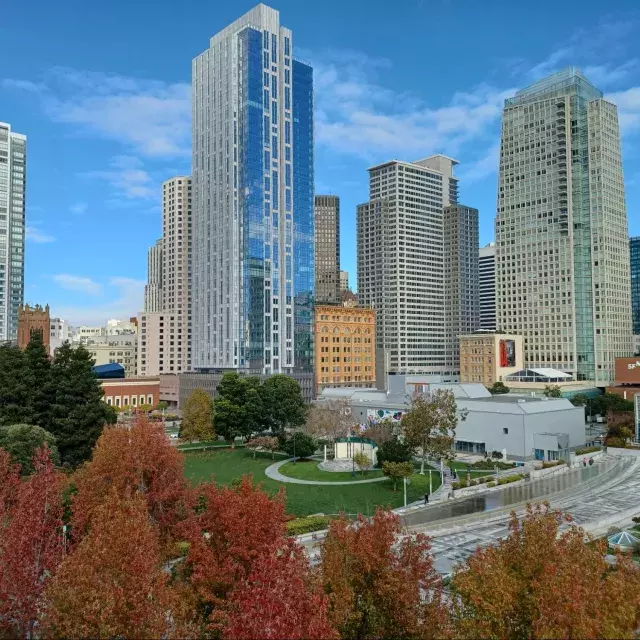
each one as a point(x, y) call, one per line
point(274, 473)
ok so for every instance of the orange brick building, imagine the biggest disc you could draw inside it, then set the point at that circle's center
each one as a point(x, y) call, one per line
point(131, 392)
point(30, 320)
point(345, 347)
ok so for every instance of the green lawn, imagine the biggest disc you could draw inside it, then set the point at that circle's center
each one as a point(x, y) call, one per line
point(302, 500)
point(308, 470)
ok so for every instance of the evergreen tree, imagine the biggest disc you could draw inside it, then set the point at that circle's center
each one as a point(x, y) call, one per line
point(238, 406)
point(15, 394)
point(78, 413)
point(38, 375)
point(284, 405)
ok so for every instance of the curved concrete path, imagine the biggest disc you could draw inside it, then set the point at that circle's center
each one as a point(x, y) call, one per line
point(274, 473)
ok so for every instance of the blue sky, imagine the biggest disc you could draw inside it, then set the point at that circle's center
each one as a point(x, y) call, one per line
point(102, 91)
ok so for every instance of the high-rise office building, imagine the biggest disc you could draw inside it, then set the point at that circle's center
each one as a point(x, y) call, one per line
point(562, 247)
point(253, 227)
point(13, 160)
point(461, 290)
point(487, 286)
point(400, 234)
point(153, 288)
point(344, 281)
point(327, 242)
point(634, 257)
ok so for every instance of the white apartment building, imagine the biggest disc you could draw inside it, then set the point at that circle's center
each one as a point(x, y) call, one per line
point(400, 234)
point(121, 349)
point(13, 160)
point(120, 327)
point(153, 288)
point(59, 334)
point(84, 334)
point(487, 284)
point(562, 244)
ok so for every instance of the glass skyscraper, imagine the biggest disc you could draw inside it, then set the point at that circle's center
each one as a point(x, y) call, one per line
point(634, 254)
point(253, 197)
point(562, 245)
point(13, 150)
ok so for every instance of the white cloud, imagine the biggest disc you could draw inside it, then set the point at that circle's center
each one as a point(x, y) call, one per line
point(628, 102)
point(553, 62)
point(482, 168)
point(607, 75)
point(78, 208)
point(125, 298)
point(33, 234)
point(130, 179)
point(77, 283)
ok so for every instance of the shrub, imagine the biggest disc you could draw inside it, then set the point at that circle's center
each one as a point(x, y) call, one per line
point(636, 519)
point(393, 451)
point(615, 442)
point(491, 484)
point(305, 445)
point(299, 526)
point(585, 450)
point(455, 485)
point(508, 479)
point(492, 464)
point(547, 464)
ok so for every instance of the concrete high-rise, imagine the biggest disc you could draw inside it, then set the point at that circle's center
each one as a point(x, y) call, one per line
point(344, 281)
point(487, 286)
point(13, 160)
point(400, 234)
point(461, 290)
point(327, 244)
point(153, 288)
point(253, 226)
point(634, 259)
point(562, 247)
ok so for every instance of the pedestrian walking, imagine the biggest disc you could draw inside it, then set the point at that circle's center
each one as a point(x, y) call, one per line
point(426, 499)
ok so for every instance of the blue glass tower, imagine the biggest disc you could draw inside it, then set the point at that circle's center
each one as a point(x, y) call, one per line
point(253, 259)
point(634, 252)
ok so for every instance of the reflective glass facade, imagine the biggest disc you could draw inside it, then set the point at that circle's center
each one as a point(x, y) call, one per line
point(634, 252)
point(253, 263)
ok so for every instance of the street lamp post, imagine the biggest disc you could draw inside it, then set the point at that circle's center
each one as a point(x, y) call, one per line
point(353, 462)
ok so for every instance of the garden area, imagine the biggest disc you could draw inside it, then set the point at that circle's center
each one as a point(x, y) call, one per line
point(227, 465)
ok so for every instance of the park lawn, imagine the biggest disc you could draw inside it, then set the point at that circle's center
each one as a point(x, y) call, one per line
point(302, 500)
point(308, 470)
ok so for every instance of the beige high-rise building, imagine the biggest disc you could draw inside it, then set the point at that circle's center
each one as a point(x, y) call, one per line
point(327, 249)
point(562, 244)
point(153, 289)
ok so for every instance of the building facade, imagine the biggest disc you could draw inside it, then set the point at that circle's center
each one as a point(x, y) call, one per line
point(59, 333)
point(253, 227)
point(487, 358)
point(132, 392)
point(345, 347)
point(13, 161)
point(401, 261)
point(562, 247)
point(327, 243)
point(634, 258)
point(487, 286)
point(153, 288)
point(462, 299)
point(344, 281)
point(120, 349)
point(32, 320)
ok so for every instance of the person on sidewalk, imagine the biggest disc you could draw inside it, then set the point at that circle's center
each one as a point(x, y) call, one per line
point(426, 499)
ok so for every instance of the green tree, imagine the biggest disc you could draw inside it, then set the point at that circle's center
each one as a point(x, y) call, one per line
point(397, 470)
point(38, 374)
point(552, 391)
point(430, 425)
point(163, 405)
point(283, 403)
point(394, 451)
point(579, 400)
point(362, 461)
point(77, 412)
point(238, 406)
point(197, 418)
point(498, 388)
point(15, 393)
point(22, 440)
point(300, 445)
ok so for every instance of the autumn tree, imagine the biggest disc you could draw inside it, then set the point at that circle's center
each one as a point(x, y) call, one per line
point(552, 391)
point(382, 432)
point(279, 600)
point(397, 470)
point(31, 545)
point(430, 425)
point(539, 582)
point(136, 460)
point(197, 420)
point(22, 441)
point(263, 443)
point(329, 421)
point(362, 461)
point(379, 586)
point(620, 428)
point(112, 585)
point(9, 483)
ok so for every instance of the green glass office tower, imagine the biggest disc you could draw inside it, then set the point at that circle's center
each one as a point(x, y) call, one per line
point(562, 248)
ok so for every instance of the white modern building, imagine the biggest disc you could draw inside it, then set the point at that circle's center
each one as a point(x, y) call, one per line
point(153, 288)
point(487, 286)
point(117, 327)
point(401, 262)
point(562, 245)
point(13, 160)
point(253, 227)
point(344, 281)
point(121, 349)
point(60, 332)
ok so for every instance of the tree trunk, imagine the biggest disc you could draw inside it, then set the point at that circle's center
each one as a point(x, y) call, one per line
point(422, 463)
point(254, 454)
point(395, 483)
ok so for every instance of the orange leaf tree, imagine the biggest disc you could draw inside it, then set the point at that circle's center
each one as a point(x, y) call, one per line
point(138, 459)
point(377, 586)
point(540, 583)
point(31, 543)
point(112, 584)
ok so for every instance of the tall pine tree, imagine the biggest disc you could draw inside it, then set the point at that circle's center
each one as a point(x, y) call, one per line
point(38, 375)
point(15, 393)
point(78, 413)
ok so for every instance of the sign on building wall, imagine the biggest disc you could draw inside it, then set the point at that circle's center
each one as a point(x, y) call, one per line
point(628, 370)
point(507, 353)
point(378, 415)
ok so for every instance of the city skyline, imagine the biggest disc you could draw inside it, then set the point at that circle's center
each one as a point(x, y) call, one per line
point(105, 177)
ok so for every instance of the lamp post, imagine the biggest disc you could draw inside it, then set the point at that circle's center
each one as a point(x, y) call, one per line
point(294, 447)
point(353, 462)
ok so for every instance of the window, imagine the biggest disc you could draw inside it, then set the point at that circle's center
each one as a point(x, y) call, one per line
point(505, 431)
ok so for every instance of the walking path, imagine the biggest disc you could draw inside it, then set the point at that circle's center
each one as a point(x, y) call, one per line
point(274, 473)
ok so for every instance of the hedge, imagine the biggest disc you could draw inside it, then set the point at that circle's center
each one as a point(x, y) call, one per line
point(299, 526)
point(547, 464)
point(490, 465)
point(583, 451)
point(508, 479)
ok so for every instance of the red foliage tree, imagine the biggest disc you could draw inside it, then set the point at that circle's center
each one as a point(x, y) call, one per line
point(31, 544)
point(138, 459)
point(230, 529)
point(9, 482)
point(538, 584)
point(379, 587)
point(112, 584)
point(279, 600)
